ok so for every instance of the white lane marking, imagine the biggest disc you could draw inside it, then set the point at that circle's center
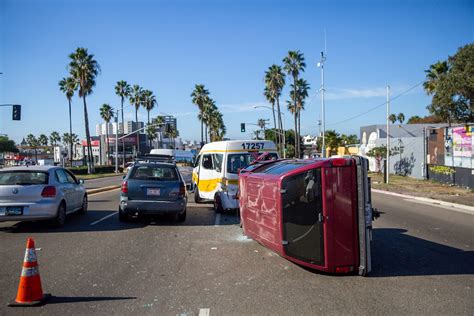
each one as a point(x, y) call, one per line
point(204, 311)
point(218, 219)
point(103, 219)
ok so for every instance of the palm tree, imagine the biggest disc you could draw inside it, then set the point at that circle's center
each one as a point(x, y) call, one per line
point(392, 118)
point(401, 117)
point(151, 132)
point(54, 138)
point(106, 113)
point(84, 69)
point(302, 88)
point(68, 86)
point(122, 89)
point(159, 121)
point(274, 83)
point(33, 142)
point(433, 76)
point(69, 139)
point(199, 96)
point(149, 103)
point(136, 98)
point(293, 65)
point(43, 140)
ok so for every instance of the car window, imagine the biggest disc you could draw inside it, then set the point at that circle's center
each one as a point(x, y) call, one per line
point(70, 177)
point(154, 172)
point(61, 176)
point(217, 161)
point(241, 161)
point(23, 177)
point(207, 162)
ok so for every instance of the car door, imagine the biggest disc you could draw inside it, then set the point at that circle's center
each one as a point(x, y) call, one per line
point(78, 189)
point(208, 177)
point(67, 190)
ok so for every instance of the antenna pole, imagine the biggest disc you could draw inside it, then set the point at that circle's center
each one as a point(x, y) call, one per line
point(323, 116)
point(388, 135)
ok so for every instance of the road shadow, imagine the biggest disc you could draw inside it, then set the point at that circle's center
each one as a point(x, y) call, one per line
point(78, 299)
point(395, 253)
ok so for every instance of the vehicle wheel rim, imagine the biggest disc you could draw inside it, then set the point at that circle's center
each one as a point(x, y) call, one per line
point(84, 204)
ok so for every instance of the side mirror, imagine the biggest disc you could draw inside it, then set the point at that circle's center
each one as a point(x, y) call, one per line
point(81, 181)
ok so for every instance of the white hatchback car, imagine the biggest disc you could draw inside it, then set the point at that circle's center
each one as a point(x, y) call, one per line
point(40, 193)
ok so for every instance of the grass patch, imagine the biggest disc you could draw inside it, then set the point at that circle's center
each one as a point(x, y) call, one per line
point(423, 188)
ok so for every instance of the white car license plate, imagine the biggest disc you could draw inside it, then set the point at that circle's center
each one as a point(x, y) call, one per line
point(154, 192)
point(11, 210)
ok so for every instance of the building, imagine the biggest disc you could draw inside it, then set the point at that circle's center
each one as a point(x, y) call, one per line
point(411, 159)
point(130, 126)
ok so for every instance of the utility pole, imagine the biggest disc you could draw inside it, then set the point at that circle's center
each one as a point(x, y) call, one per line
point(387, 164)
point(323, 117)
point(116, 141)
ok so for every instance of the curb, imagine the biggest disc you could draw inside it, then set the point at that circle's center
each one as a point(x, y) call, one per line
point(464, 208)
point(104, 189)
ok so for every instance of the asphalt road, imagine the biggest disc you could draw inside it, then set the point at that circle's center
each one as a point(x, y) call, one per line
point(103, 182)
point(423, 263)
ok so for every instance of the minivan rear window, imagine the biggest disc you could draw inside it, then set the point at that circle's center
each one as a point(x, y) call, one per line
point(154, 172)
point(23, 177)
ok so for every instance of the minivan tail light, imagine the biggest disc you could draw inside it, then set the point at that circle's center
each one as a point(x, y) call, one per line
point(125, 187)
point(182, 190)
point(339, 162)
point(48, 191)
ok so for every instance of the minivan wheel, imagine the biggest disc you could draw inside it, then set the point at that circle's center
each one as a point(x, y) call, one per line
point(218, 204)
point(60, 216)
point(83, 209)
point(197, 198)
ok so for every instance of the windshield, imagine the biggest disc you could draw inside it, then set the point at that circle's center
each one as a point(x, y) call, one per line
point(23, 177)
point(154, 172)
point(241, 161)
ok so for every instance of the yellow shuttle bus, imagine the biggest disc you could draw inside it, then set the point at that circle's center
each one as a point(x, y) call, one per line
point(215, 173)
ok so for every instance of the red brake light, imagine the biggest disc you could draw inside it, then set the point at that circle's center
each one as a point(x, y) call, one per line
point(48, 191)
point(182, 190)
point(125, 187)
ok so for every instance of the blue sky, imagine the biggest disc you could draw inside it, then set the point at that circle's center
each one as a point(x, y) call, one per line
point(169, 46)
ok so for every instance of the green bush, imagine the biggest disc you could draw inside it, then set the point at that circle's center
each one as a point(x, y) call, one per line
point(98, 169)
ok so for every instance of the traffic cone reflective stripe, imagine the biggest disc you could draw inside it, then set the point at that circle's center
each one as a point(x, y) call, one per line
point(30, 291)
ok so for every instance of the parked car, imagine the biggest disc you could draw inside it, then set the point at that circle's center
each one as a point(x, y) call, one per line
point(153, 187)
point(40, 193)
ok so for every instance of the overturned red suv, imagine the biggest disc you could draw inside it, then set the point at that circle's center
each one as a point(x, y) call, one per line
point(314, 212)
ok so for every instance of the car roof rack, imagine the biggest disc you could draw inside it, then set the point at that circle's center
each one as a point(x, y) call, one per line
point(154, 158)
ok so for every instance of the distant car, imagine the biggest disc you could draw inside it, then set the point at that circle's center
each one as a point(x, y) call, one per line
point(153, 187)
point(40, 193)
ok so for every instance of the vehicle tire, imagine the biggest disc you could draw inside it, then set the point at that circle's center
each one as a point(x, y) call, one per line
point(218, 204)
point(83, 209)
point(197, 198)
point(181, 217)
point(123, 217)
point(60, 218)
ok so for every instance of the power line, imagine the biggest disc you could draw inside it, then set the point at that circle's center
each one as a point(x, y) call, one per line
point(378, 106)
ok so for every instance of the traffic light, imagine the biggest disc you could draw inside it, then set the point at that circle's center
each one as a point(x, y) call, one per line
point(242, 127)
point(16, 113)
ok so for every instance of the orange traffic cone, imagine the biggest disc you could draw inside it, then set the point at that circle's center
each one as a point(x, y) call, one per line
point(30, 292)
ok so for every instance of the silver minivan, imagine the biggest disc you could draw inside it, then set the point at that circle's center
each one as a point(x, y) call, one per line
point(31, 193)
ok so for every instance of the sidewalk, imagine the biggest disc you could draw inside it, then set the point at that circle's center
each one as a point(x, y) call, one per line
point(423, 188)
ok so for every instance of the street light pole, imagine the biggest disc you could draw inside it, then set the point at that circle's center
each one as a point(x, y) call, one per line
point(323, 107)
point(116, 142)
point(387, 165)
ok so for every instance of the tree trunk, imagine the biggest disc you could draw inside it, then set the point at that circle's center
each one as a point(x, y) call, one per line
point(296, 137)
point(205, 128)
point(202, 132)
point(138, 133)
point(107, 142)
point(90, 162)
point(299, 133)
point(280, 127)
point(123, 140)
point(148, 114)
point(70, 133)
